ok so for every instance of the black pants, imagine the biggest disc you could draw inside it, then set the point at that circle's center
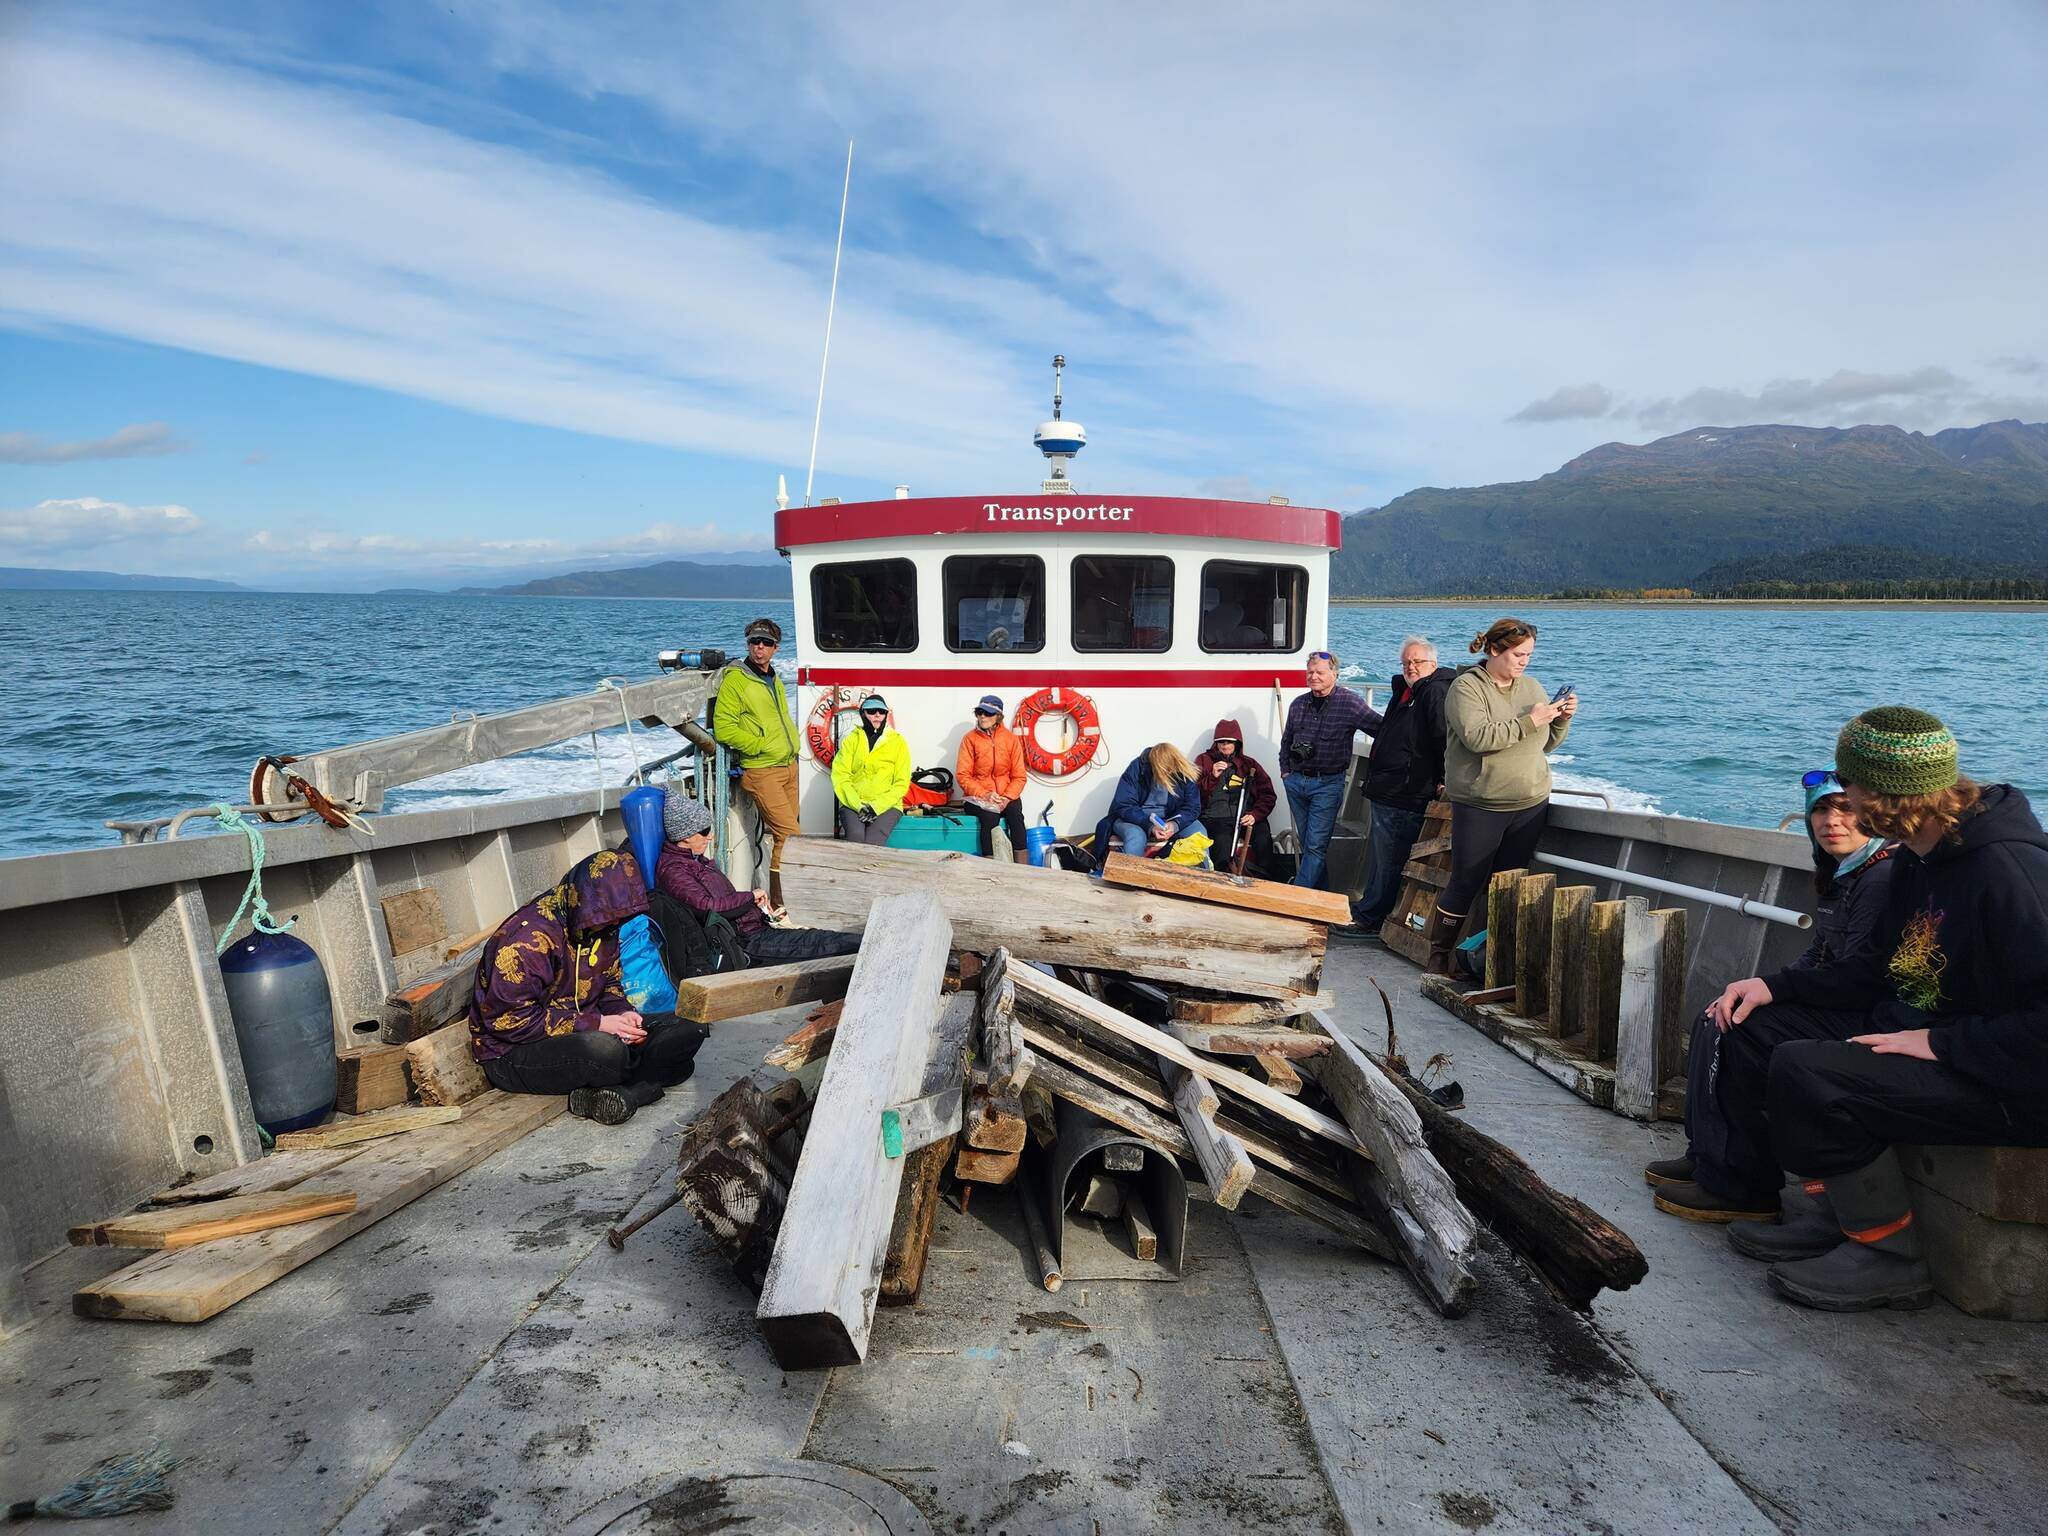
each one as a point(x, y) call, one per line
point(1012, 818)
point(1730, 1132)
point(1835, 1107)
point(1485, 841)
point(1224, 830)
point(774, 946)
point(591, 1058)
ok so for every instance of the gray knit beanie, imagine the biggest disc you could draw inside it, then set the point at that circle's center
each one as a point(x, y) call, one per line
point(683, 817)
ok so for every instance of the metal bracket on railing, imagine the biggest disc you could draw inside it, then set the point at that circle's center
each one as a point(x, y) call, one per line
point(1590, 794)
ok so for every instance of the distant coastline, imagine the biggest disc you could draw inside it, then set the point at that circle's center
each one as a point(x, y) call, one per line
point(2007, 605)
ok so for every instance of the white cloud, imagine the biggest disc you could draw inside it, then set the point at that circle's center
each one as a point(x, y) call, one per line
point(142, 440)
point(1569, 402)
point(85, 523)
point(1926, 397)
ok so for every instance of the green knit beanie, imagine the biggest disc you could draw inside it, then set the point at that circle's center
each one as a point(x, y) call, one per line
point(1893, 750)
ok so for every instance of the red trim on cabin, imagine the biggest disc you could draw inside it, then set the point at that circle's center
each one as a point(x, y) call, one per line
point(1051, 675)
point(1177, 516)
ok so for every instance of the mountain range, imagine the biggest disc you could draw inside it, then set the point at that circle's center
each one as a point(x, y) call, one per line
point(1664, 513)
point(668, 578)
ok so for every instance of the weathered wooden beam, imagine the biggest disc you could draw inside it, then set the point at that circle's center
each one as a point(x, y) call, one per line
point(729, 1178)
point(1600, 998)
point(413, 919)
point(1674, 1025)
point(1571, 910)
point(1005, 1062)
point(369, 1077)
point(1138, 1227)
point(818, 1298)
point(979, 1167)
point(1230, 1041)
point(1244, 1013)
point(1532, 944)
point(1061, 918)
point(1279, 1073)
point(1635, 1046)
point(995, 1121)
point(1227, 890)
point(1500, 927)
point(1438, 1239)
point(442, 1068)
point(1038, 991)
point(762, 988)
point(1225, 1163)
point(917, 1203)
point(434, 1001)
point(808, 1041)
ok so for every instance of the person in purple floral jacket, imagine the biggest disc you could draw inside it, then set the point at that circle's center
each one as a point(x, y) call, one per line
point(549, 1012)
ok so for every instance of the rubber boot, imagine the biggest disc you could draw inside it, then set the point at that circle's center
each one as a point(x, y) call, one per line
point(1806, 1226)
point(1443, 934)
point(1880, 1263)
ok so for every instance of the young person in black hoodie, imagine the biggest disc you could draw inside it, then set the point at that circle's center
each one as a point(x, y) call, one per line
point(1955, 989)
point(1405, 773)
point(1729, 1171)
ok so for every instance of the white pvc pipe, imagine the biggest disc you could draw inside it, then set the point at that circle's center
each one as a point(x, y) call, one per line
point(1740, 904)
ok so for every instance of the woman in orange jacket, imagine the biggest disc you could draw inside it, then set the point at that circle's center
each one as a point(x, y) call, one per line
point(990, 772)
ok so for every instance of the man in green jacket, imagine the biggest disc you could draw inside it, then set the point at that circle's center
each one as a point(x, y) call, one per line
point(751, 716)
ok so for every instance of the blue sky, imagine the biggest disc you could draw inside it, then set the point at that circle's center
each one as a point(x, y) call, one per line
point(329, 296)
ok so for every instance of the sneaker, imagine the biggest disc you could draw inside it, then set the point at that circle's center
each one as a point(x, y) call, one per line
point(1668, 1170)
point(1692, 1202)
point(1854, 1277)
point(607, 1106)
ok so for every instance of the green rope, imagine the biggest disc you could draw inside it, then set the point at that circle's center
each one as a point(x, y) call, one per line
point(260, 918)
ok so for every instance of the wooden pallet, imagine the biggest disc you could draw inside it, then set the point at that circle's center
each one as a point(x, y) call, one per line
point(1428, 871)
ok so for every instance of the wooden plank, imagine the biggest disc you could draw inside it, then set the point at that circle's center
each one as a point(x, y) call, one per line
point(1674, 1026)
point(917, 1202)
point(1589, 1079)
point(189, 1285)
point(1533, 896)
point(1138, 1227)
point(1635, 1045)
point(810, 1041)
point(1223, 1041)
point(369, 1077)
point(437, 999)
point(1439, 1239)
point(1429, 875)
point(1600, 999)
point(413, 919)
point(1279, 1073)
point(1423, 847)
point(1245, 1013)
point(1004, 1060)
point(279, 1170)
point(1227, 890)
point(385, 1122)
point(1225, 1162)
point(818, 1301)
point(181, 1226)
point(762, 988)
point(995, 1121)
point(442, 1069)
point(1570, 910)
point(1061, 918)
point(1405, 931)
point(1067, 1004)
point(979, 1167)
point(1500, 927)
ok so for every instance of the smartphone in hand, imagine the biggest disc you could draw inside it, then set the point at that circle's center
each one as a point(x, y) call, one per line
point(1563, 693)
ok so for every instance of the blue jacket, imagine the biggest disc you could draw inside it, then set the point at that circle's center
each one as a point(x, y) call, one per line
point(1183, 805)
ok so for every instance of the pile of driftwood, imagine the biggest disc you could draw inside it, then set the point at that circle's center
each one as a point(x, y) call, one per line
point(1108, 1047)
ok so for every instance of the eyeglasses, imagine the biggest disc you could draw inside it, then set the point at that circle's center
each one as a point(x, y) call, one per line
point(1813, 778)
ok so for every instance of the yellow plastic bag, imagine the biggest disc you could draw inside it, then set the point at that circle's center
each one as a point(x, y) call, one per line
point(1192, 849)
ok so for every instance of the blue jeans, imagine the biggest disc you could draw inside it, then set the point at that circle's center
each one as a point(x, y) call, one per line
point(1132, 838)
point(1314, 798)
point(1393, 833)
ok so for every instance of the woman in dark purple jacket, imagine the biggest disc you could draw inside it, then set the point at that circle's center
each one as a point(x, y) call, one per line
point(548, 1013)
point(687, 874)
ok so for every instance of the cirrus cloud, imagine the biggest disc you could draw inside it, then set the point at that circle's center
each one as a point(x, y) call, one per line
point(145, 439)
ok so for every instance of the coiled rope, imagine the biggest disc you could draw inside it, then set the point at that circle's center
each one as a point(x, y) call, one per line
point(260, 918)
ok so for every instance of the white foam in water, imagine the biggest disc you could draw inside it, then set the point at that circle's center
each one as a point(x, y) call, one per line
point(564, 767)
point(1620, 796)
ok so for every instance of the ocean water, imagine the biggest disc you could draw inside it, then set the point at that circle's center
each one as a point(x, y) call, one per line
point(130, 705)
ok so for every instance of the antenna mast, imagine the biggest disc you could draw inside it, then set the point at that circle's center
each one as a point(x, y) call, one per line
point(831, 304)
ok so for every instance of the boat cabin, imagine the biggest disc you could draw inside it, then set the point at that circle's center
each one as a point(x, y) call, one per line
point(1105, 624)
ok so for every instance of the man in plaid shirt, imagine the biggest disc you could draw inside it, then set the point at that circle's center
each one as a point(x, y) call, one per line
point(1315, 758)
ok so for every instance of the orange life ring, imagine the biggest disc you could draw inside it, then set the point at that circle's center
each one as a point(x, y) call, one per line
point(1077, 707)
point(818, 730)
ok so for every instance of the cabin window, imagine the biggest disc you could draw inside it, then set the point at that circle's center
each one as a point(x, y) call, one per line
point(994, 602)
point(1123, 603)
point(1247, 607)
point(864, 605)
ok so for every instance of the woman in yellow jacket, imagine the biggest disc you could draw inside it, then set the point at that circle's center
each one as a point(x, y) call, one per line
point(870, 772)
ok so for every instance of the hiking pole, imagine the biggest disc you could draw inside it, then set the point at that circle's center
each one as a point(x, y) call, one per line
point(1239, 831)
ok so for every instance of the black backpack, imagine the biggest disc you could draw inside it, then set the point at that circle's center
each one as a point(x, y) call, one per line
point(692, 946)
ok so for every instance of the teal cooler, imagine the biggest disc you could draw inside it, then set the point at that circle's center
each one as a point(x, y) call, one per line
point(948, 831)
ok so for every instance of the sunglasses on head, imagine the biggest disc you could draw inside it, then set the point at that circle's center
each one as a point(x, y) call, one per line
point(1320, 656)
point(1813, 778)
